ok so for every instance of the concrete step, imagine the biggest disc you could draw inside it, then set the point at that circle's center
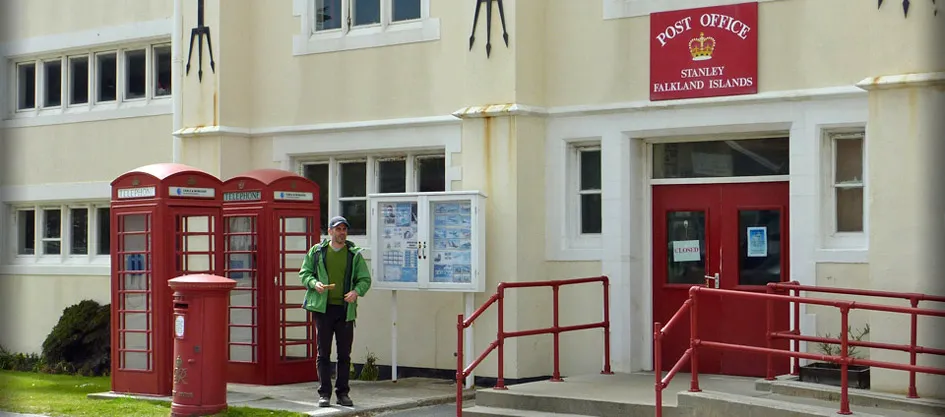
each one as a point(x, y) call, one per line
point(481, 411)
point(717, 404)
point(570, 405)
point(790, 387)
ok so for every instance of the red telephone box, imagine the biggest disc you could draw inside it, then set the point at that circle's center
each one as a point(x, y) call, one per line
point(270, 220)
point(165, 222)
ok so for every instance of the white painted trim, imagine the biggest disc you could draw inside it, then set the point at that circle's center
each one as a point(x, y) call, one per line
point(58, 270)
point(157, 107)
point(902, 80)
point(81, 191)
point(189, 132)
point(720, 180)
point(91, 38)
point(493, 110)
point(620, 9)
point(387, 33)
point(321, 128)
point(842, 256)
point(626, 252)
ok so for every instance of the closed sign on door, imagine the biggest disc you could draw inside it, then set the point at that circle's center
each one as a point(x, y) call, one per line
point(686, 251)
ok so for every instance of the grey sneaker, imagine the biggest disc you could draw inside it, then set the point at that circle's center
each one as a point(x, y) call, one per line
point(324, 401)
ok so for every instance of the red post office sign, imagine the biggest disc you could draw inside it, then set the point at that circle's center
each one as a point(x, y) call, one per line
point(704, 52)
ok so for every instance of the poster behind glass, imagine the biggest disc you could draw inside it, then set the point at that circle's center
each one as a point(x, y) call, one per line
point(451, 251)
point(398, 241)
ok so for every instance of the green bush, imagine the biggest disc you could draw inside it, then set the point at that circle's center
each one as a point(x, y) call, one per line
point(81, 341)
point(20, 362)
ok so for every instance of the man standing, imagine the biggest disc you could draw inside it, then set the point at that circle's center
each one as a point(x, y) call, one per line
point(335, 275)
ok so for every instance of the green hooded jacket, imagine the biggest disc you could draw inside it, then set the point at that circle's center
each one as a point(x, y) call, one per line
point(357, 277)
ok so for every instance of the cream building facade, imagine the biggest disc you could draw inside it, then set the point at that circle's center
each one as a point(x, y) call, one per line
point(583, 173)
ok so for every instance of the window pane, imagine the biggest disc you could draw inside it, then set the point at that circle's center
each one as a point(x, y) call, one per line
point(26, 86)
point(405, 10)
point(431, 174)
point(392, 176)
point(135, 68)
point(728, 158)
point(107, 70)
point(849, 209)
point(319, 174)
point(327, 14)
point(80, 232)
point(849, 161)
point(759, 243)
point(366, 12)
point(356, 213)
point(104, 233)
point(590, 213)
point(353, 179)
point(685, 247)
point(52, 229)
point(79, 80)
point(26, 232)
point(590, 170)
point(162, 71)
point(52, 79)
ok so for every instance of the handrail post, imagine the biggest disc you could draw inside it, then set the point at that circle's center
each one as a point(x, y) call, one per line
point(693, 335)
point(606, 370)
point(658, 366)
point(844, 360)
point(460, 365)
point(769, 325)
point(796, 330)
point(500, 337)
point(556, 377)
point(913, 393)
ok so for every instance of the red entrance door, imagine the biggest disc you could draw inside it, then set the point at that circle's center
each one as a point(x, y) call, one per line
point(738, 231)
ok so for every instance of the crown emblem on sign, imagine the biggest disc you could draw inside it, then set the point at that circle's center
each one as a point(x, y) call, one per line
point(240, 185)
point(702, 47)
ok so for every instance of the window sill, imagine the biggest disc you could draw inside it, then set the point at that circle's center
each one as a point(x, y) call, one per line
point(396, 34)
point(97, 112)
point(619, 9)
point(577, 248)
point(53, 267)
point(842, 256)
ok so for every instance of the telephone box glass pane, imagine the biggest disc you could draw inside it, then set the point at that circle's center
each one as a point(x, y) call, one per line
point(398, 241)
point(195, 244)
point(240, 239)
point(685, 247)
point(296, 235)
point(135, 296)
point(759, 247)
point(451, 251)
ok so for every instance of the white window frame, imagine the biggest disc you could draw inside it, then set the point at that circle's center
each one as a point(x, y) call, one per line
point(832, 239)
point(350, 37)
point(93, 104)
point(65, 256)
point(577, 239)
point(620, 9)
point(334, 179)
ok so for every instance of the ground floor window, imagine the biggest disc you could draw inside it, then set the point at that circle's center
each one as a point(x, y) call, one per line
point(65, 230)
point(346, 181)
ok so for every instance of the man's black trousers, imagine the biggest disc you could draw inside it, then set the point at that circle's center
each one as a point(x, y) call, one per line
point(333, 324)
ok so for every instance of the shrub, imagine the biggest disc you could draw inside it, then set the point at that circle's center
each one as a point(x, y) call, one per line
point(369, 371)
point(81, 341)
point(21, 362)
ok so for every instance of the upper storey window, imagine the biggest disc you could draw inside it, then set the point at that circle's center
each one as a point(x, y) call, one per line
point(337, 25)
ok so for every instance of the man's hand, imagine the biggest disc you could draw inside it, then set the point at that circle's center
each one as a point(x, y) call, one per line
point(351, 296)
point(319, 287)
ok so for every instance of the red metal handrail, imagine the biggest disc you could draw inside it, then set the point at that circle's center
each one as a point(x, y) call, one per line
point(843, 359)
point(499, 343)
point(794, 288)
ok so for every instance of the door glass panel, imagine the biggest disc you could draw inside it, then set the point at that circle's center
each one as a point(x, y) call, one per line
point(759, 247)
point(723, 158)
point(397, 242)
point(685, 247)
point(452, 242)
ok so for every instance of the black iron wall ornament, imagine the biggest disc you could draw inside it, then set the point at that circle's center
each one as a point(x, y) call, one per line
point(505, 34)
point(906, 4)
point(199, 32)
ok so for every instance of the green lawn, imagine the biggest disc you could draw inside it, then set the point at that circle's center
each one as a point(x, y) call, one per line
point(65, 395)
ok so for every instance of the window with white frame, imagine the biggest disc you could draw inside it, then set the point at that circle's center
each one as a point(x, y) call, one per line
point(846, 184)
point(345, 182)
point(587, 189)
point(62, 231)
point(332, 25)
point(82, 80)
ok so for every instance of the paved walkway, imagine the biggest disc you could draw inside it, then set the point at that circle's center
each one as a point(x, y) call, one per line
point(9, 414)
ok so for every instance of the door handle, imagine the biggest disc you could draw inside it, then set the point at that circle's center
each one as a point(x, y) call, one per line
point(712, 281)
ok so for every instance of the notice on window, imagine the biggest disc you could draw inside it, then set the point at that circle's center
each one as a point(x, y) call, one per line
point(686, 251)
point(452, 242)
point(398, 242)
point(757, 242)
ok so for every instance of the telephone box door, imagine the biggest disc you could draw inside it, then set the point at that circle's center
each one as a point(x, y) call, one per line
point(295, 233)
point(135, 298)
point(240, 242)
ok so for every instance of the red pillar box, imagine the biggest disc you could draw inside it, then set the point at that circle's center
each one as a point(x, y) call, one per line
point(271, 218)
point(165, 223)
point(200, 335)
